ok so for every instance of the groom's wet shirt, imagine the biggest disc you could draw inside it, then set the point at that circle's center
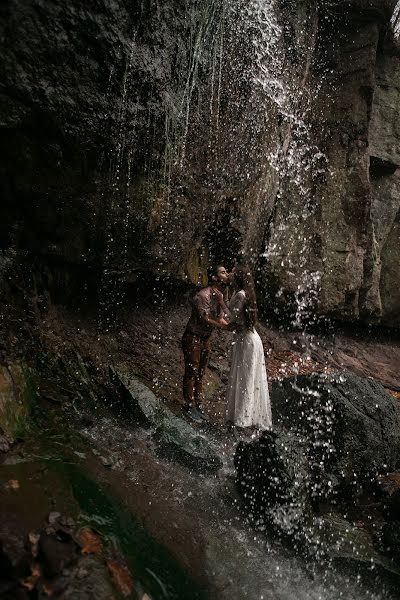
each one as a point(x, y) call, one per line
point(207, 302)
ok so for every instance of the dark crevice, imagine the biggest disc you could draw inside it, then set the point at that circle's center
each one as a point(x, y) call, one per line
point(381, 168)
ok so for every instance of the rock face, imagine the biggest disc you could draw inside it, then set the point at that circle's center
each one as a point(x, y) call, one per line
point(351, 423)
point(272, 476)
point(335, 435)
point(142, 137)
point(17, 392)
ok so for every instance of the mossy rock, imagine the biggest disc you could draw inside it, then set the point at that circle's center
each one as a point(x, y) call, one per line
point(175, 438)
point(17, 393)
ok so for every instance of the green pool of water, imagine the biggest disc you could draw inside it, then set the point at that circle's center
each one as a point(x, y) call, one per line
point(150, 564)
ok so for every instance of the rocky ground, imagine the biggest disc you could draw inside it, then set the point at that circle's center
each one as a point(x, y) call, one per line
point(148, 342)
point(75, 365)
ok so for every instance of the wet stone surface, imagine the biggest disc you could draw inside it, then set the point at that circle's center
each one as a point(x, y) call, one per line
point(315, 478)
point(351, 424)
point(174, 436)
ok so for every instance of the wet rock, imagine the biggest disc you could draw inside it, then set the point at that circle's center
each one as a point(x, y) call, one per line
point(336, 434)
point(138, 399)
point(17, 393)
point(179, 441)
point(175, 438)
point(56, 552)
point(351, 425)
point(220, 368)
point(389, 489)
point(335, 537)
point(272, 475)
point(276, 483)
point(88, 581)
point(60, 148)
point(390, 540)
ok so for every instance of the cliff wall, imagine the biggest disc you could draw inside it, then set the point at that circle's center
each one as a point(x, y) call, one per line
point(157, 136)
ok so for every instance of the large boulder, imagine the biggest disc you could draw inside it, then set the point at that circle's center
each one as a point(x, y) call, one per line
point(175, 438)
point(351, 423)
point(334, 434)
point(273, 478)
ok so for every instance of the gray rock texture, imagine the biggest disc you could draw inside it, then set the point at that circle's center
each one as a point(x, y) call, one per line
point(175, 438)
point(351, 424)
point(155, 137)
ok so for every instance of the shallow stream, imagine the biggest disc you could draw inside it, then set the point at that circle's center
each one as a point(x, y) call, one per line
point(183, 534)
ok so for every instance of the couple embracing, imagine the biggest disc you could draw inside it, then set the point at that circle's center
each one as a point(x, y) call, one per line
point(248, 403)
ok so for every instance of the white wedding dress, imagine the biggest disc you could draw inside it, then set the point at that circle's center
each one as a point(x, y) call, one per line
point(248, 403)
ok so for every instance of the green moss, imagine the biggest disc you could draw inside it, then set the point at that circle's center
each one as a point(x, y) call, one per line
point(18, 390)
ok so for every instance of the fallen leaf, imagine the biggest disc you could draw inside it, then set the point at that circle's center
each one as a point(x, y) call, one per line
point(121, 577)
point(146, 597)
point(90, 542)
point(47, 589)
point(30, 582)
point(34, 541)
point(358, 524)
point(12, 484)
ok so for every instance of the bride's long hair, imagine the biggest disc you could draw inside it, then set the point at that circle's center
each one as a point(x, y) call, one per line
point(244, 281)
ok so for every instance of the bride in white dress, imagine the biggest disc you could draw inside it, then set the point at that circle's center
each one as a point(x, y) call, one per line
point(248, 403)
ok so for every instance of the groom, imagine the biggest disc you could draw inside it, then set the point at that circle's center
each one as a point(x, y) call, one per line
point(208, 313)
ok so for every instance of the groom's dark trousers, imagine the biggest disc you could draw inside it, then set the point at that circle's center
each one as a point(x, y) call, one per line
point(196, 341)
point(196, 352)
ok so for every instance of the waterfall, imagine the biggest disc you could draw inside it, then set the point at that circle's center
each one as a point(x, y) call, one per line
point(265, 35)
point(294, 159)
point(395, 20)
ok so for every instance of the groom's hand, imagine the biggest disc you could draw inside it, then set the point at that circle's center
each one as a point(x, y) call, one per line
point(235, 327)
point(223, 324)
